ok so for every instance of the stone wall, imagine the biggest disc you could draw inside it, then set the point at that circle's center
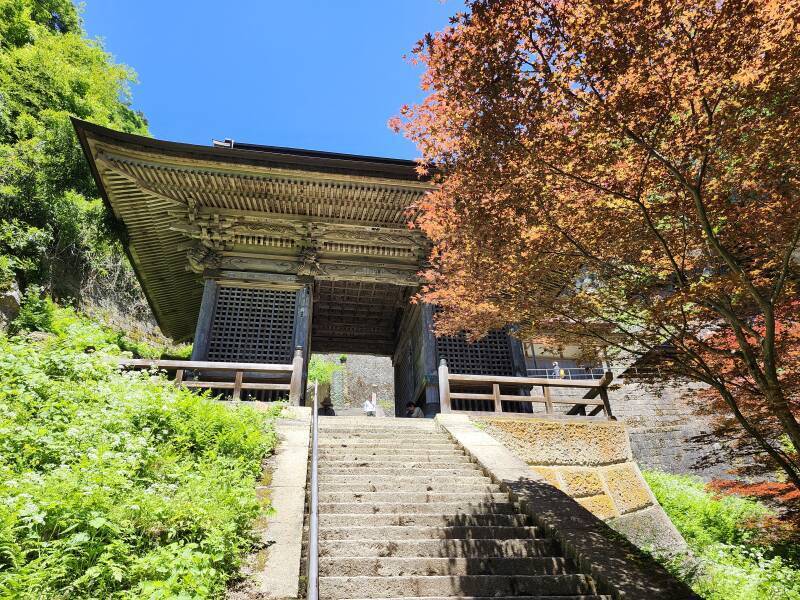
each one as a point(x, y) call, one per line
point(592, 462)
point(668, 429)
point(353, 384)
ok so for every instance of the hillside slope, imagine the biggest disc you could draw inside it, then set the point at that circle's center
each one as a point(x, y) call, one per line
point(116, 484)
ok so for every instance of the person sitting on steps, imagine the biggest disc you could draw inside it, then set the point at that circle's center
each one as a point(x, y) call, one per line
point(413, 411)
point(326, 409)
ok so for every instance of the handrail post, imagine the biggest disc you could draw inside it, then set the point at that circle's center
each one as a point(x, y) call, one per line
point(498, 406)
point(237, 385)
point(604, 381)
point(296, 382)
point(444, 387)
point(548, 400)
point(312, 591)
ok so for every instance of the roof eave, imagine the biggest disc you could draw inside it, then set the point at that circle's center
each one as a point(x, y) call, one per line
point(81, 130)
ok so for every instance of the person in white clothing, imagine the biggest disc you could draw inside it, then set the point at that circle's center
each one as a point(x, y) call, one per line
point(369, 407)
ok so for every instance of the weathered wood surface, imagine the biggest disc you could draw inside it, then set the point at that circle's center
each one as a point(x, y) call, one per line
point(293, 373)
point(597, 387)
point(191, 210)
point(540, 381)
point(205, 364)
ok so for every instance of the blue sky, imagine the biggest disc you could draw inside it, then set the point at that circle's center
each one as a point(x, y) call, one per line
point(317, 74)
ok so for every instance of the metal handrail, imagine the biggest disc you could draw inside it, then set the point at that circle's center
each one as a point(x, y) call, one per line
point(568, 373)
point(312, 592)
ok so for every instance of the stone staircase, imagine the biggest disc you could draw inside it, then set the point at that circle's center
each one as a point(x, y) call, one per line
point(404, 513)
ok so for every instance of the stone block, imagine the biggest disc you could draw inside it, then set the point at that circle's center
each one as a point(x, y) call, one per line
point(627, 487)
point(600, 506)
point(548, 474)
point(651, 530)
point(581, 482)
point(547, 442)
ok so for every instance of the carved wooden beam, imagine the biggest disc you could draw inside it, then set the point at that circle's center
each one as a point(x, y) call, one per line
point(396, 275)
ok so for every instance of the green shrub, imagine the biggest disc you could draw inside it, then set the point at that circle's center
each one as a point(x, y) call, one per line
point(321, 370)
point(702, 518)
point(35, 313)
point(738, 573)
point(118, 484)
point(727, 562)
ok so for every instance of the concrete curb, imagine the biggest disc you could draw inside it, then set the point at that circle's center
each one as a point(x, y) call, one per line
point(615, 563)
point(276, 572)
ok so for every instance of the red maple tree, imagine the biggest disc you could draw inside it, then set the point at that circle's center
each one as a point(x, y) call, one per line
point(624, 174)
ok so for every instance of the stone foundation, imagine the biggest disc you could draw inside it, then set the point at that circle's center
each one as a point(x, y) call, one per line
point(592, 462)
point(668, 429)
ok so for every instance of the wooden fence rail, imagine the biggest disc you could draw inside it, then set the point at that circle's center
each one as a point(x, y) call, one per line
point(595, 399)
point(291, 374)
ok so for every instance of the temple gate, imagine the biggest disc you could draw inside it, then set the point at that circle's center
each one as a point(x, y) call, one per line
point(254, 251)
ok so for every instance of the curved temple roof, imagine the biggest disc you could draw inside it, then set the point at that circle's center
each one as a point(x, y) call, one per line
point(255, 213)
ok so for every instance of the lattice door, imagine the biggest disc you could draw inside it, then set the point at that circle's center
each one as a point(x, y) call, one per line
point(253, 325)
point(488, 356)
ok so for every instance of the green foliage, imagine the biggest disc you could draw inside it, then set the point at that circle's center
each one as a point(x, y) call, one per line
point(321, 370)
point(49, 72)
point(702, 518)
point(35, 313)
point(723, 534)
point(40, 313)
point(22, 250)
point(117, 484)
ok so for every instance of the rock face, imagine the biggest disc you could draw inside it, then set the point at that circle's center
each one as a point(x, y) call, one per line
point(10, 301)
point(353, 383)
point(593, 463)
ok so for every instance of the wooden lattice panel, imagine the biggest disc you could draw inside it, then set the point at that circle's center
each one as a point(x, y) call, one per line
point(253, 325)
point(489, 356)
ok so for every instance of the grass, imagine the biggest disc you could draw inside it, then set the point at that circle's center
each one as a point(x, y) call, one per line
point(117, 484)
point(733, 556)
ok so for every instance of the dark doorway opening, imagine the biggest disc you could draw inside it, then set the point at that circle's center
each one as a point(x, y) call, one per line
point(356, 316)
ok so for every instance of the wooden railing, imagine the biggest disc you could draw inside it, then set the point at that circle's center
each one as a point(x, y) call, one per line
point(595, 399)
point(206, 374)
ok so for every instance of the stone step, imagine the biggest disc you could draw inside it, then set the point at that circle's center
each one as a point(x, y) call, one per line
point(378, 464)
point(421, 446)
point(453, 457)
point(466, 477)
point(405, 566)
point(422, 470)
point(411, 497)
point(385, 432)
point(389, 451)
point(412, 532)
point(422, 520)
point(418, 487)
point(391, 436)
point(454, 585)
point(409, 430)
point(571, 597)
point(360, 421)
point(369, 549)
point(430, 508)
